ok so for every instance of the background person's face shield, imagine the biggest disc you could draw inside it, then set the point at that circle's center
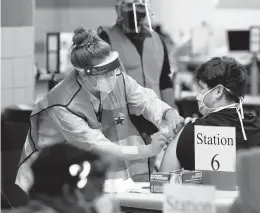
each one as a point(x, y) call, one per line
point(132, 13)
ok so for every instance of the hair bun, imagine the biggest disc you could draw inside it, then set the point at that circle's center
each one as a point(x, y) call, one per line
point(82, 37)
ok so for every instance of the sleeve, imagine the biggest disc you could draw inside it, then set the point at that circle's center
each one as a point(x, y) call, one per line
point(77, 131)
point(103, 35)
point(170, 161)
point(144, 101)
point(165, 79)
point(185, 149)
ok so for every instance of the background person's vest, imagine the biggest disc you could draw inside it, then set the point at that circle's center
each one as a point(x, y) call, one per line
point(145, 69)
point(71, 94)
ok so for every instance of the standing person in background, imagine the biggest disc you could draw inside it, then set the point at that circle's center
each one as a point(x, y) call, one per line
point(143, 54)
point(169, 43)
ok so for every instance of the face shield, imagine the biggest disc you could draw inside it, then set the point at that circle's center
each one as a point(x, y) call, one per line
point(132, 14)
point(102, 77)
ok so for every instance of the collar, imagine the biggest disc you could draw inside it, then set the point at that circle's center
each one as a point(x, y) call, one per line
point(240, 113)
point(235, 105)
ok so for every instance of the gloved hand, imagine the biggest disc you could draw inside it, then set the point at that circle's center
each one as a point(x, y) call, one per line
point(159, 139)
point(174, 120)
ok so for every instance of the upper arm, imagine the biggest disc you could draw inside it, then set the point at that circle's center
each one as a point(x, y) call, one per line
point(144, 101)
point(180, 152)
point(170, 161)
point(136, 94)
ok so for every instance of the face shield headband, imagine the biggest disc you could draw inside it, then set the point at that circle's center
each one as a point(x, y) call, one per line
point(110, 65)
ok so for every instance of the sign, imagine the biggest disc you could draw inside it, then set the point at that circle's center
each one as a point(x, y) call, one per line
point(189, 199)
point(215, 148)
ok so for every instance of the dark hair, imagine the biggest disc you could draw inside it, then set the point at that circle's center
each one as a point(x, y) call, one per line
point(227, 72)
point(51, 168)
point(87, 45)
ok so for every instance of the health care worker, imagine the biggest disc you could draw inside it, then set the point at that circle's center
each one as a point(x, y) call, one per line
point(90, 108)
point(143, 53)
point(222, 86)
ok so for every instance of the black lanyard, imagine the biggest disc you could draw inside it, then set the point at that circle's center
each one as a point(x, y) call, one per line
point(100, 110)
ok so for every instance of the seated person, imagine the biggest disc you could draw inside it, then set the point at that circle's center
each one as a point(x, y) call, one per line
point(68, 179)
point(221, 88)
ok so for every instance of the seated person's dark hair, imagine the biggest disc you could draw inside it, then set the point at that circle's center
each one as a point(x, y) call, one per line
point(226, 71)
point(51, 168)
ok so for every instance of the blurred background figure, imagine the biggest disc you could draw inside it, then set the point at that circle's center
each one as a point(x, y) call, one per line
point(68, 179)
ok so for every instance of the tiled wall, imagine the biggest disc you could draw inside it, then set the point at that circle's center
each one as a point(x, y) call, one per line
point(65, 16)
point(17, 52)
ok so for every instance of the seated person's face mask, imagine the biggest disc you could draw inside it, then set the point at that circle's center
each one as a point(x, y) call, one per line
point(203, 108)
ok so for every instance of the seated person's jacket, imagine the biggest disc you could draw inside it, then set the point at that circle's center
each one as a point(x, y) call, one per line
point(225, 117)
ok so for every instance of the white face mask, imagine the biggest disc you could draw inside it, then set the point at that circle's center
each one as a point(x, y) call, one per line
point(203, 109)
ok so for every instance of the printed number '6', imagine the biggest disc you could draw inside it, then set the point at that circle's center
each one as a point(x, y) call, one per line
point(214, 163)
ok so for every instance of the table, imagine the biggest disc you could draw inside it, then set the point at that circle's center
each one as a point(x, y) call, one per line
point(141, 199)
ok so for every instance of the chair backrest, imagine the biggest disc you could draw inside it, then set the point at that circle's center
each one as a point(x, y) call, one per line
point(15, 122)
point(221, 180)
point(248, 176)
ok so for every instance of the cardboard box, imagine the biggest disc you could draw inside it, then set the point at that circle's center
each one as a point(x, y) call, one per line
point(157, 180)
